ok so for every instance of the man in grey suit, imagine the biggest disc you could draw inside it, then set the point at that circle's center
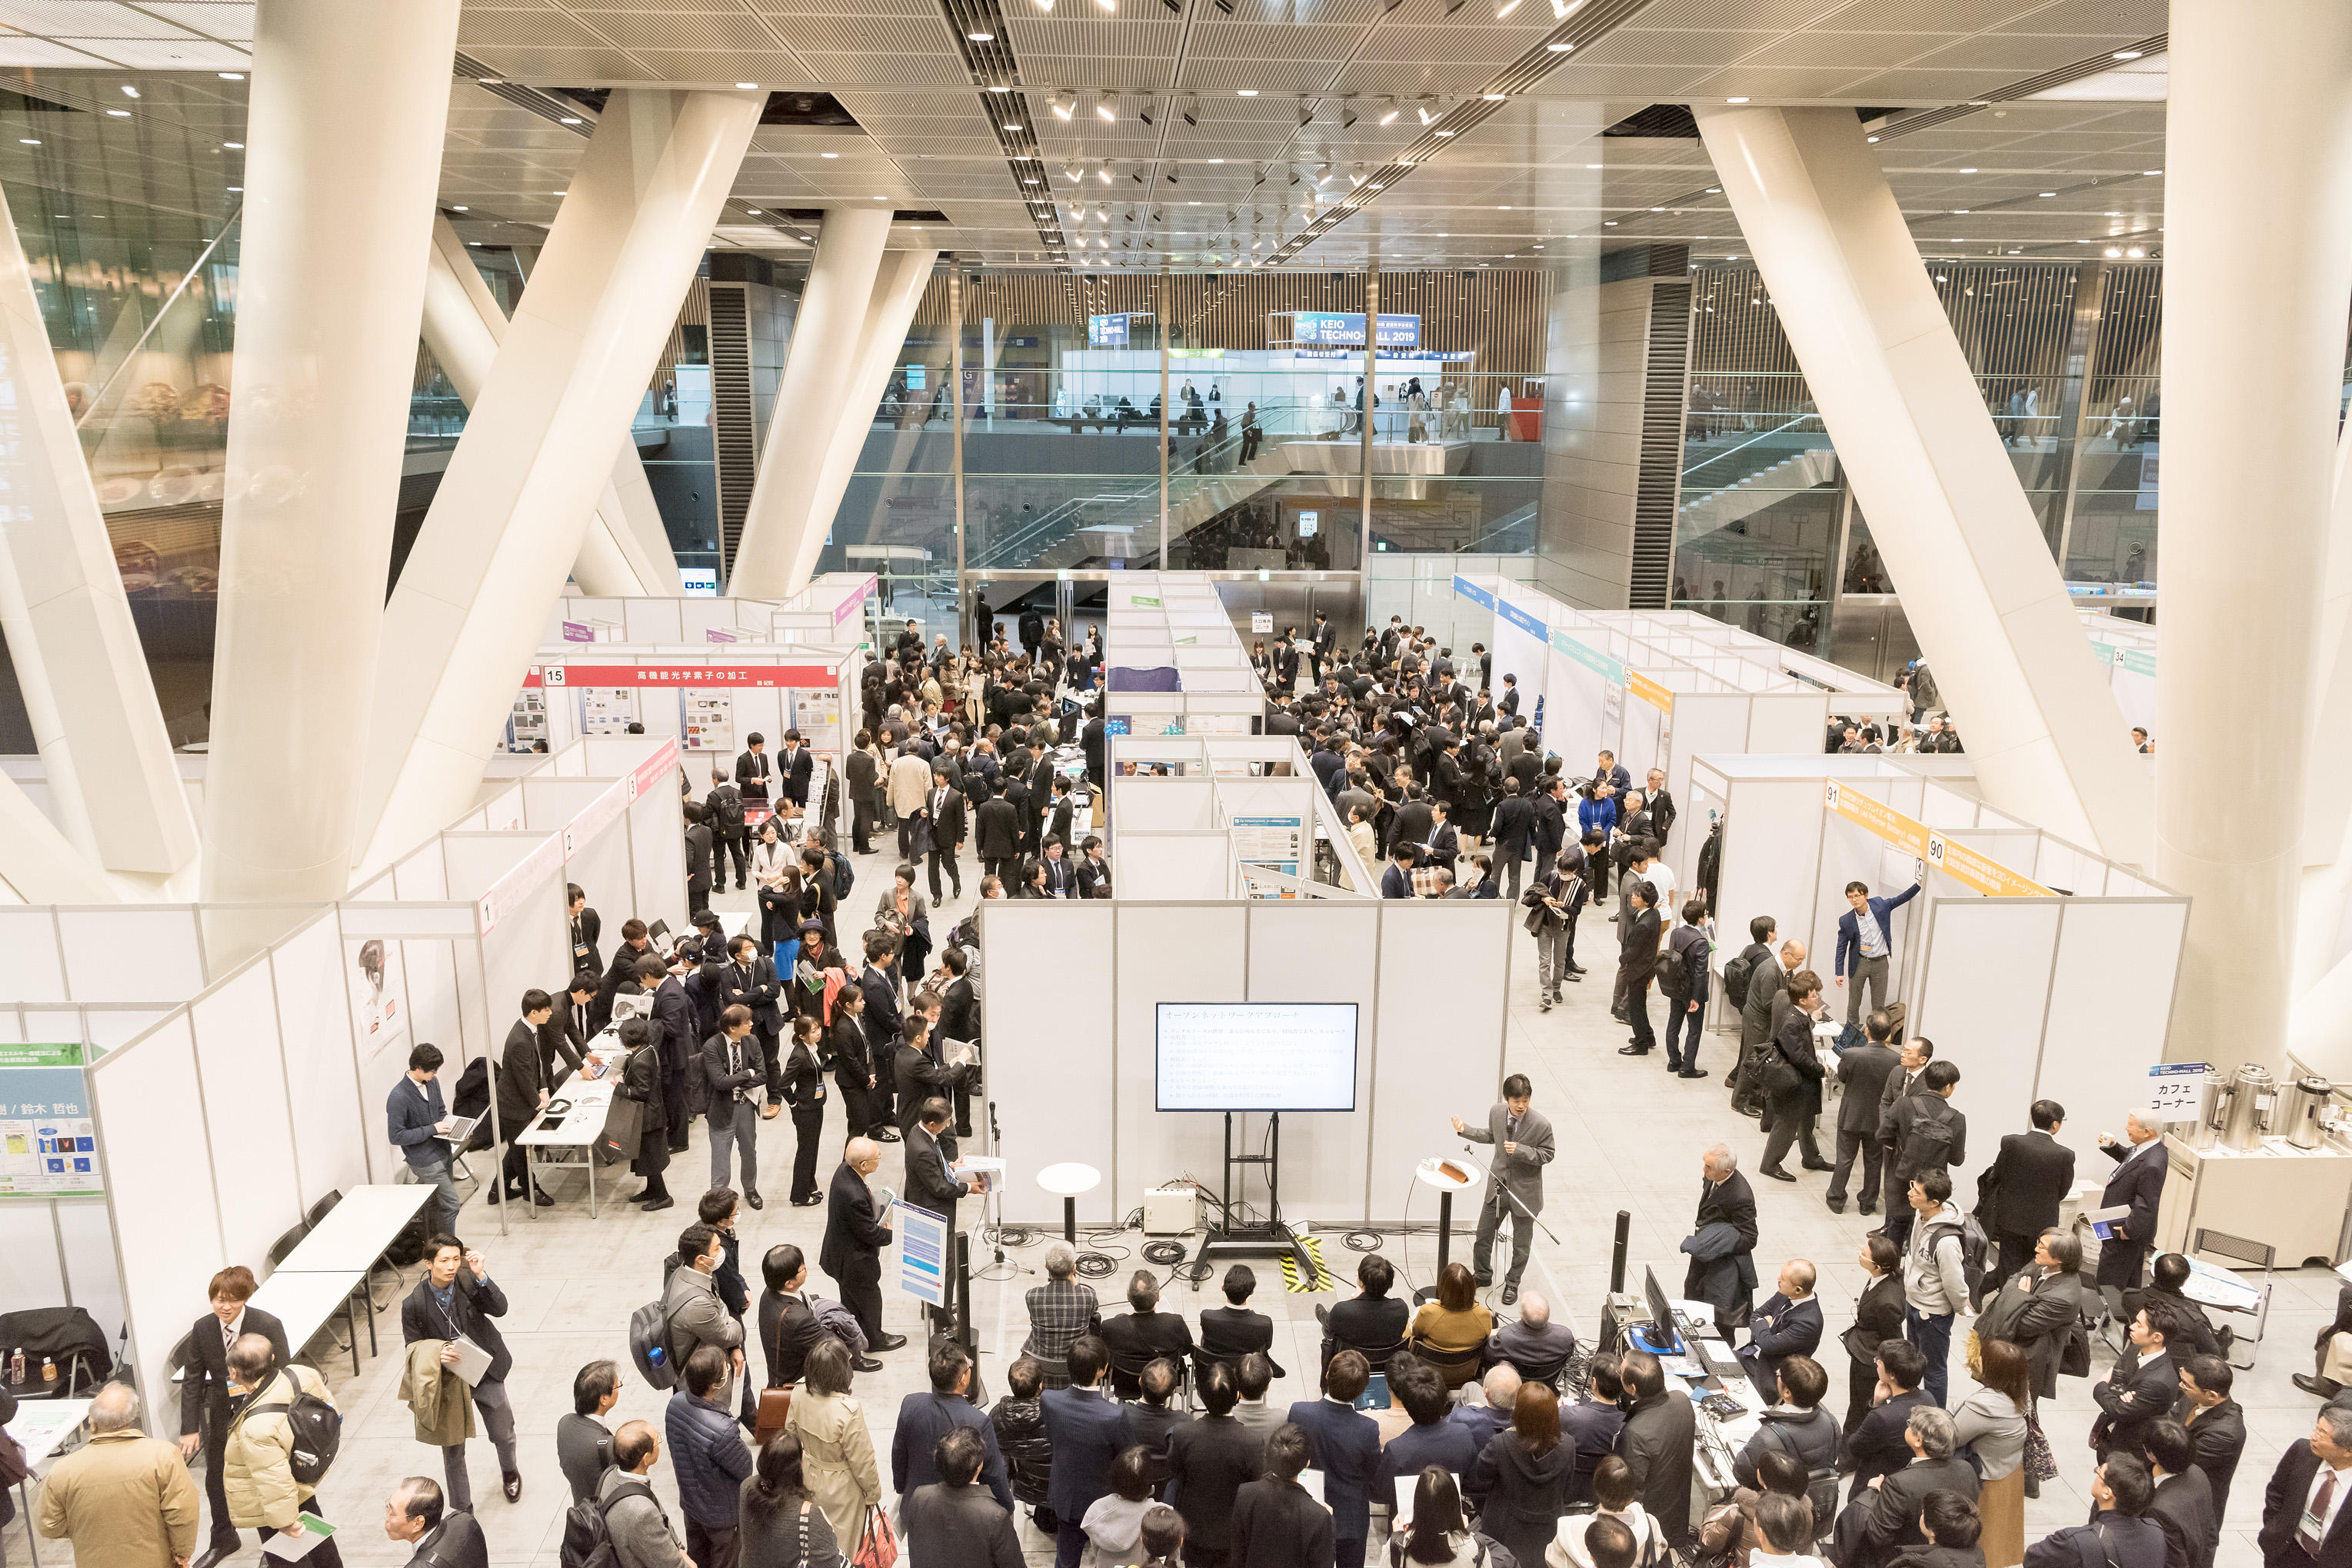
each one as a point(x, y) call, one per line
point(1903, 1080)
point(1523, 1143)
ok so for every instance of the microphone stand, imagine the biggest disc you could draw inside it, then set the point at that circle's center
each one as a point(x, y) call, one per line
point(1504, 1189)
point(996, 1195)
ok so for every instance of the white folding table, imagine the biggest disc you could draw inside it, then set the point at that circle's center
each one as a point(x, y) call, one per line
point(42, 1426)
point(304, 1300)
point(582, 1124)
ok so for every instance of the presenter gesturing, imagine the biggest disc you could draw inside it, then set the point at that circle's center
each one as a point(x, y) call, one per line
point(1523, 1143)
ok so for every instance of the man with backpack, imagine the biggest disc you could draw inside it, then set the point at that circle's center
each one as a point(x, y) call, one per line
point(1923, 1133)
point(283, 1434)
point(2119, 1535)
point(625, 1516)
point(1934, 1278)
point(724, 808)
point(1863, 1071)
point(1682, 976)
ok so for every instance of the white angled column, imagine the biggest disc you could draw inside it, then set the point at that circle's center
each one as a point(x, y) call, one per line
point(898, 287)
point(75, 647)
point(505, 525)
point(350, 103)
point(1983, 595)
point(464, 325)
point(782, 532)
point(2257, 265)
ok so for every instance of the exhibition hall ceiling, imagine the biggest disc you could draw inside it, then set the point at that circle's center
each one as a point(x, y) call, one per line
point(1195, 133)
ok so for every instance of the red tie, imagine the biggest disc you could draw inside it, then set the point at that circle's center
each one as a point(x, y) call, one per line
point(2307, 1537)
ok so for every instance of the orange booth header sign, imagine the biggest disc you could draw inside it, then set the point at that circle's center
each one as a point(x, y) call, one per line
point(1969, 867)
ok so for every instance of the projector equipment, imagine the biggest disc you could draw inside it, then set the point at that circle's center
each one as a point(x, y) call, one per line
point(1616, 1258)
point(1620, 1311)
point(1172, 1211)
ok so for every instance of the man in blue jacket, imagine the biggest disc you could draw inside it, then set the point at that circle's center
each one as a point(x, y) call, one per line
point(1865, 943)
point(416, 1119)
point(925, 1418)
point(1344, 1443)
point(707, 1452)
point(1086, 1429)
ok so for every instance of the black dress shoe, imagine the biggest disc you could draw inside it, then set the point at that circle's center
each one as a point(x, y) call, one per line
point(1576, 968)
point(1633, 1050)
point(753, 1200)
point(867, 1364)
point(657, 1204)
point(514, 1486)
point(1837, 1205)
point(2325, 1389)
point(1776, 1173)
point(542, 1200)
point(890, 1342)
point(1510, 1293)
point(884, 1135)
point(811, 1201)
point(215, 1555)
point(1866, 1206)
point(1692, 1073)
point(1819, 1165)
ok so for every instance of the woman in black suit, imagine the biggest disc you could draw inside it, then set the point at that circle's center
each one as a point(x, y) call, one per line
point(641, 1080)
point(853, 1063)
point(805, 1093)
point(1878, 1315)
point(457, 1300)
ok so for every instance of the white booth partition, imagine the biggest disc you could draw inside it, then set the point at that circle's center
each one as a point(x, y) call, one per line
point(831, 608)
point(2128, 651)
point(1099, 970)
point(593, 618)
point(2008, 956)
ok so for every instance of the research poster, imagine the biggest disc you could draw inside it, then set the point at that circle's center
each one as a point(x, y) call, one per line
point(379, 1002)
point(706, 720)
point(607, 710)
point(1269, 841)
point(922, 1255)
point(49, 1145)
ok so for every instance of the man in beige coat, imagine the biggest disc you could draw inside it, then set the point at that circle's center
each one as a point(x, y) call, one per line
point(258, 1459)
point(124, 1499)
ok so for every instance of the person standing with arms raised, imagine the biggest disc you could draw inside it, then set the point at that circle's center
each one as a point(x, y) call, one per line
point(1522, 1138)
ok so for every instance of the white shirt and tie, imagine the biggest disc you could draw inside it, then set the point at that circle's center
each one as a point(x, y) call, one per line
point(2320, 1507)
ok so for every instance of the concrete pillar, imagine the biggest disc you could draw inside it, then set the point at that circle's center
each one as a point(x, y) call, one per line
point(898, 284)
point(70, 636)
point(38, 864)
point(1896, 394)
point(464, 325)
point(784, 531)
point(506, 523)
point(2257, 265)
point(349, 107)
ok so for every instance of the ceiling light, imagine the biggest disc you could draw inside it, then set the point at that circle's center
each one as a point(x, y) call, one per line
point(1873, 139)
point(29, 141)
point(981, 37)
point(1445, 133)
point(569, 119)
point(2151, 170)
point(1959, 211)
point(556, 193)
point(828, 154)
point(753, 211)
point(1495, 97)
point(2126, 54)
point(1104, 173)
point(1216, 159)
point(1061, 103)
point(1245, 92)
point(461, 209)
point(1104, 111)
point(1502, 209)
point(1191, 111)
point(1560, 49)
point(128, 91)
point(234, 146)
point(1391, 110)
point(2114, 250)
point(1008, 126)
point(746, 86)
point(999, 87)
point(239, 189)
point(877, 198)
point(230, 76)
point(120, 113)
point(2135, 252)
point(1967, 171)
point(1735, 100)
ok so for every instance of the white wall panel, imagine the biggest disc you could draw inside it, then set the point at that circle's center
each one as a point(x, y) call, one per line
point(1172, 865)
point(548, 803)
point(1163, 803)
point(420, 877)
point(131, 955)
point(658, 858)
point(2109, 1008)
point(1439, 1045)
point(1170, 955)
point(93, 1281)
point(106, 1028)
point(331, 1145)
point(1981, 998)
point(244, 1078)
point(36, 1275)
point(1051, 960)
point(1771, 844)
point(160, 1188)
point(1318, 952)
point(1794, 723)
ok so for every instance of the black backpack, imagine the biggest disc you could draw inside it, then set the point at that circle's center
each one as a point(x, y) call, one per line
point(1927, 1145)
point(843, 878)
point(318, 1432)
point(649, 1341)
point(1736, 973)
point(588, 1537)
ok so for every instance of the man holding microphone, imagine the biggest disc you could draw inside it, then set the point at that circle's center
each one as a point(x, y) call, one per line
point(1523, 1141)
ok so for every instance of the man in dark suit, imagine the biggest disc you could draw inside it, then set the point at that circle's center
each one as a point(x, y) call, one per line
point(1888, 1521)
point(204, 1389)
point(2305, 1521)
point(1862, 1071)
point(1515, 830)
point(681, 1037)
point(925, 1418)
point(2032, 1176)
point(1277, 1522)
point(2183, 1503)
point(1908, 1079)
point(789, 1328)
point(1876, 1448)
point(723, 806)
point(564, 1043)
point(1087, 1430)
point(854, 1240)
point(918, 1076)
point(1210, 1460)
point(1144, 1335)
point(2143, 1387)
point(522, 1093)
point(634, 949)
point(755, 771)
point(2137, 1183)
point(1759, 1013)
point(2167, 1278)
point(1787, 1324)
point(1369, 1321)
point(878, 982)
point(1656, 1443)
point(1432, 1440)
point(1153, 1417)
point(1345, 1445)
point(1722, 1270)
point(1094, 870)
point(1061, 876)
point(2217, 1431)
point(933, 1183)
point(954, 1523)
point(1231, 1331)
point(748, 980)
point(947, 832)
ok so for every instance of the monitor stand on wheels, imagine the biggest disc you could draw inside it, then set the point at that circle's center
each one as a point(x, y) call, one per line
point(1269, 1238)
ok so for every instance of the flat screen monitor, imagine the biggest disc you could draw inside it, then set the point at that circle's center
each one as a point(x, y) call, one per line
point(1256, 1056)
point(1661, 1311)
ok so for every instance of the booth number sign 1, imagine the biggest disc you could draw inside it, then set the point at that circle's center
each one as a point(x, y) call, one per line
point(49, 1145)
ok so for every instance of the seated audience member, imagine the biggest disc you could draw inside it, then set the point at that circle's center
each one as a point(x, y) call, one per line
point(1060, 1310)
point(1231, 1331)
point(1452, 1329)
point(1953, 1529)
point(2119, 1535)
point(1145, 1333)
point(1368, 1321)
point(1486, 1416)
point(1795, 1423)
point(1020, 1423)
point(1728, 1531)
point(1432, 1440)
point(1537, 1346)
point(1785, 1324)
point(1593, 1422)
point(1784, 1533)
point(1252, 1375)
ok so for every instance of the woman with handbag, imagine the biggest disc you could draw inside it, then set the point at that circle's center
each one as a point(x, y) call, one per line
point(1990, 1424)
point(1877, 1316)
point(836, 1452)
point(805, 1093)
point(1791, 1078)
point(774, 874)
point(783, 1525)
point(905, 914)
point(641, 1084)
point(854, 1069)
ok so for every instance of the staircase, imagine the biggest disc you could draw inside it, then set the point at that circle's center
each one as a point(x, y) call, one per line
point(1717, 509)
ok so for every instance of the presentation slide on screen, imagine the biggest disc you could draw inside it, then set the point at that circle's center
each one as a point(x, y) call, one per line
point(1256, 1056)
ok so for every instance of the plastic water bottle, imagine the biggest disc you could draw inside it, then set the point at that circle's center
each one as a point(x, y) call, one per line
point(656, 1356)
point(16, 1367)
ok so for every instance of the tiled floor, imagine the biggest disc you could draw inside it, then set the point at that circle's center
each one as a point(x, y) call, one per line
point(1629, 1138)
